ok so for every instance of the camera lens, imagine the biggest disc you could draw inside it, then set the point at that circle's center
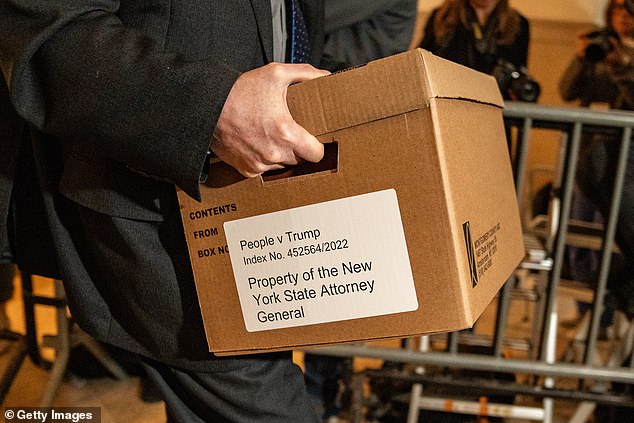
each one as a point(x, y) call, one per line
point(599, 46)
point(595, 52)
point(526, 89)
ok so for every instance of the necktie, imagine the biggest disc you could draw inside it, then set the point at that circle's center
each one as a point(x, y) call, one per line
point(300, 47)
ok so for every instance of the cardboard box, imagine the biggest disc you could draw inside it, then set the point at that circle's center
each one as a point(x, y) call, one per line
point(409, 226)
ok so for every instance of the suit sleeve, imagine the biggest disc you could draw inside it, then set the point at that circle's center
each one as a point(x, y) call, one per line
point(341, 14)
point(77, 73)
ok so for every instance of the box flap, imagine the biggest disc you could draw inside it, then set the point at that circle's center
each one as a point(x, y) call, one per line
point(384, 88)
point(446, 79)
point(379, 89)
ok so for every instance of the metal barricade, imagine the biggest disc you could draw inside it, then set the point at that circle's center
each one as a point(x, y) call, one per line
point(595, 379)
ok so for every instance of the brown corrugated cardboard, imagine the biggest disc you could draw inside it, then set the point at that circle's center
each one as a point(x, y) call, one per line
point(410, 225)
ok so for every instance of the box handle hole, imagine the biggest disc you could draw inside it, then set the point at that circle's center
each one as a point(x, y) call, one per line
point(328, 164)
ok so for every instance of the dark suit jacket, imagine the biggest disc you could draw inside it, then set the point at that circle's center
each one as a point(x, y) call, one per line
point(358, 31)
point(121, 98)
point(11, 129)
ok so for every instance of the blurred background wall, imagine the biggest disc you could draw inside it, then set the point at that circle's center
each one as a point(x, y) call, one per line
point(568, 10)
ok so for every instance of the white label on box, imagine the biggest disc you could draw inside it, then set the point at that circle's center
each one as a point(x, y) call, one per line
point(337, 260)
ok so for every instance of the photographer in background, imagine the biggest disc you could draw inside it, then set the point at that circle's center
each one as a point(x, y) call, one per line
point(602, 71)
point(603, 68)
point(486, 35)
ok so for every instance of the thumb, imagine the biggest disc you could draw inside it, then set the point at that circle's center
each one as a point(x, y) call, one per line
point(308, 147)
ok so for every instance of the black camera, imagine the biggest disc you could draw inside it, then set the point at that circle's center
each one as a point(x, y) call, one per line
point(515, 82)
point(599, 44)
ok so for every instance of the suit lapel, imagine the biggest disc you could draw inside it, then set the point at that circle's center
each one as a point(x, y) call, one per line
point(262, 11)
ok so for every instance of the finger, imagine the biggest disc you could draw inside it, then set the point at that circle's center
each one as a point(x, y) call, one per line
point(292, 159)
point(308, 147)
point(251, 173)
point(303, 72)
point(248, 174)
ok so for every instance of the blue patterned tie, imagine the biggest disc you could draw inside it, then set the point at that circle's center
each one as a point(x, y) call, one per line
point(300, 47)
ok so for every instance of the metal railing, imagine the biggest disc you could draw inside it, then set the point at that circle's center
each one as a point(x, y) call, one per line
point(543, 369)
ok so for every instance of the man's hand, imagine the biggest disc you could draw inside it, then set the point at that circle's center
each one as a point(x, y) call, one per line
point(581, 44)
point(255, 131)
